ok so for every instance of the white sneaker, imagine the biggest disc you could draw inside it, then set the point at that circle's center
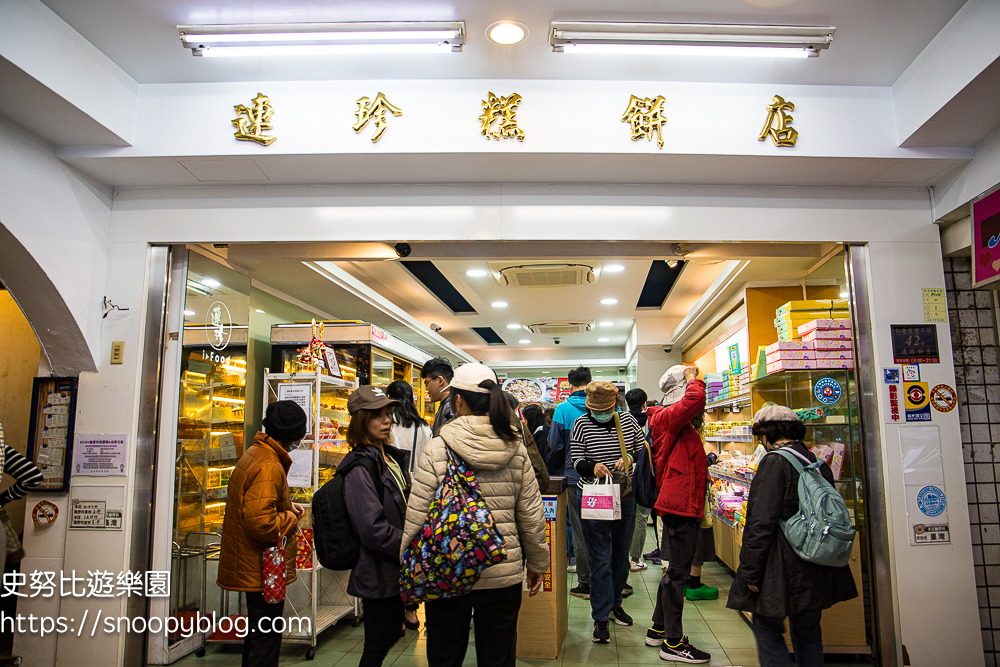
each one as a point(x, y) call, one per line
point(638, 565)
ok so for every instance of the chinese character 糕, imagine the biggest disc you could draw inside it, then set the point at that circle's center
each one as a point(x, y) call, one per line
point(782, 135)
point(502, 112)
point(646, 116)
point(257, 120)
point(158, 584)
point(374, 109)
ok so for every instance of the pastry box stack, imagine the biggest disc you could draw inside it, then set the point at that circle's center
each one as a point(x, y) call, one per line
point(713, 387)
point(832, 341)
point(790, 355)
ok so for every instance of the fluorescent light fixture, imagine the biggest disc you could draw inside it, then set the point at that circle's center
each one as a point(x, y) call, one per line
point(603, 340)
point(507, 32)
point(476, 273)
point(190, 313)
point(607, 324)
point(697, 39)
point(609, 302)
point(323, 38)
point(500, 304)
point(210, 282)
point(260, 311)
point(614, 268)
point(524, 341)
point(513, 326)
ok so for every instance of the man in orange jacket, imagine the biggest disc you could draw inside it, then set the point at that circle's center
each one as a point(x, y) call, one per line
point(681, 472)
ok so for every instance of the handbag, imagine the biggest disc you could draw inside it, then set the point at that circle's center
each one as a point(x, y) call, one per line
point(459, 539)
point(273, 571)
point(601, 501)
point(623, 478)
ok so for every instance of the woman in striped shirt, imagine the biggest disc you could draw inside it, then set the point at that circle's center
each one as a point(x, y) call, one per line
point(26, 477)
point(595, 449)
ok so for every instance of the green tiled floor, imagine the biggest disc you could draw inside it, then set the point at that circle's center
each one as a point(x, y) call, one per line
point(710, 626)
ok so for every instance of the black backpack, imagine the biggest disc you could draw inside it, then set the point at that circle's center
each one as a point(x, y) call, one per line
point(337, 546)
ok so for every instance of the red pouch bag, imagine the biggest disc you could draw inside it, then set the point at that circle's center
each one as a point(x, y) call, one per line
point(273, 570)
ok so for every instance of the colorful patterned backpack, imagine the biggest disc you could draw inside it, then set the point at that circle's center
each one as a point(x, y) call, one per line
point(458, 541)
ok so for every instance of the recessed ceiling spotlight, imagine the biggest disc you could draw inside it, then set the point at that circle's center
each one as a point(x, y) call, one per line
point(507, 32)
point(673, 263)
point(190, 313)
point(603, 340)
point(210, 282)
point(475, 273)
point(261, 311)
point(609, 302)
point(524, 341)
point(499, 304)
point(607, 324)
point(513, 326)
point(614, 268)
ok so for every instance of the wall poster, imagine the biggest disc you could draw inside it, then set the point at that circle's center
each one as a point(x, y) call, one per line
point(986, 240)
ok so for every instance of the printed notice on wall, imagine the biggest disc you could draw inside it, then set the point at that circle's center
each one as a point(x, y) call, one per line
point(923, 480)
point(100, 454)
point(935, 308)
point(301, 393)
point(300, 473)
point(94, 515)
point(893, 395)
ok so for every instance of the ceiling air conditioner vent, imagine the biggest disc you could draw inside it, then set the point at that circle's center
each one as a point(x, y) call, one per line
point(560, 328)
point(545, 276)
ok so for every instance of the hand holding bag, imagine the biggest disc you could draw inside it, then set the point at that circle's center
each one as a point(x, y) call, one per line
point(601, 501)
point(273, 571)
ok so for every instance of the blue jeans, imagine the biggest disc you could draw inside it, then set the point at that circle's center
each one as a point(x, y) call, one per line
point(807, 639)
point(608, 545)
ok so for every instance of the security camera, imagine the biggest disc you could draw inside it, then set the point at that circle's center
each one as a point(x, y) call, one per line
point(403, 249)
point(557, 341)
point(668, 348)
point(435, 327)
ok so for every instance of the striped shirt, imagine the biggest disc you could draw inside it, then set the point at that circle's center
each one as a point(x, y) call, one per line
point(591, 442)
point(26, 475)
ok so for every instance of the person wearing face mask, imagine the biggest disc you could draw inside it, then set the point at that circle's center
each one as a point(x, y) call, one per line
point(596, 450)
point(259, 513)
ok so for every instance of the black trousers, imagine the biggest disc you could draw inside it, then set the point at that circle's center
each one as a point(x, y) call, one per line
point(495, 611)
point(680, 539)
point(262, 649)
point(383, 627)
point(807, 639)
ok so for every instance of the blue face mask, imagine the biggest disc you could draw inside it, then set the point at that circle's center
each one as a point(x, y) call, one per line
point(603, 418)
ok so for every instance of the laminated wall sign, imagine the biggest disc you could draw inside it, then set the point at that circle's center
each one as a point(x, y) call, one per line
point(100, 454)
point(893, 388)
point(923, 480)
point(986, 240)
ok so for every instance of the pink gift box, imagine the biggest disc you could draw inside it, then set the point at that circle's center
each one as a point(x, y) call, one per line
point(828, 334)
point(847, 364)
point(823, 324)
point(792, 365)
point(787, 345)
point(783, 355)
point(834, 354)
point(826, 344)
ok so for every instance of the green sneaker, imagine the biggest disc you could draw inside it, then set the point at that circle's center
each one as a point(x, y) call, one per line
point(703, 592)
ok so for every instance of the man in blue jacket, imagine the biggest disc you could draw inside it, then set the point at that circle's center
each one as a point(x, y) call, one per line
point(566, 413)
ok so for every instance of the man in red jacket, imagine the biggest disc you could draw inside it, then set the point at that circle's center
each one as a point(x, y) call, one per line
point(681, 472)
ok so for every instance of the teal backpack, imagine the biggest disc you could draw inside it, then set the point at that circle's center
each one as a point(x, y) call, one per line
point(821, 532)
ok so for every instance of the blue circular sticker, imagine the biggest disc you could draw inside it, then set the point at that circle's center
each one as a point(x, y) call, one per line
point(931, 501)
point(828, 391)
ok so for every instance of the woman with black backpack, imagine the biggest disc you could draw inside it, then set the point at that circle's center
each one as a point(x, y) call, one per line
point(376, 505)
point(773, 582)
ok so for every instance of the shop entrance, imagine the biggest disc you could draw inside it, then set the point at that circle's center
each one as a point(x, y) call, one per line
point(747, 315)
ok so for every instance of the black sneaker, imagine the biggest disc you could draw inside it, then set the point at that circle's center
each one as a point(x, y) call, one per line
point(683, 652)
point(654, 637)
point(620, 617)
point(602, 635)
point(627, 591)
point(582, 591)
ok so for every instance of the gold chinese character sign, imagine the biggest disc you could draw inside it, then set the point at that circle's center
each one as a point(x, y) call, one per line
point(374, 109)
point(499, 117)
point(646, 116)
point(251, 123)
point(782, 135)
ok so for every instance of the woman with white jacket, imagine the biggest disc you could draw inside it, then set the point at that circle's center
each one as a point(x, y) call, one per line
point(483, 436)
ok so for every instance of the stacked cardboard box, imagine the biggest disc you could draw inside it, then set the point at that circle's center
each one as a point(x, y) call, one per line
point(713, 387)
point(793, 355)
point(832, 341)
point(792, 315)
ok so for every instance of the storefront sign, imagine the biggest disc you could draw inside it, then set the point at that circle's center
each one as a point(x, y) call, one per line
point(251, 122)
point(646, 116)
point(917, 400)
point(943, 398)
point(935, 307)
point(780, 133)
point(100, 455)
point(986, 240)
point(499, 117)
point(827, 391)
point(915, 344)
point(368, 110)
point(94, 515)
point(219, 326)
point(891, 382)
point(301, 393)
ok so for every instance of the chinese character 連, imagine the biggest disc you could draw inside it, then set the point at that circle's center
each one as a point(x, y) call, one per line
point(257, 120)
point(782, 135)
point(502, 111)
point(646, 116)
point(374, 109)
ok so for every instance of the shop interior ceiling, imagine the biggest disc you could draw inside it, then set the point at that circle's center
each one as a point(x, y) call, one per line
point(301, 271)
point(875, 41)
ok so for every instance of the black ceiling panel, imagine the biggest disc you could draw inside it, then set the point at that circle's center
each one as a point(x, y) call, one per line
point(659, 281)
point(489, 335)
point(439, 286)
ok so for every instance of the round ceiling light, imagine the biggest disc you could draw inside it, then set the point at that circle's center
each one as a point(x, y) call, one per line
point(513, 326)
point(499, 304)
point(507, 32)
point(524, 341)
point(609, 302)
point(603, 340)
point(475, 273)
point(614, 268)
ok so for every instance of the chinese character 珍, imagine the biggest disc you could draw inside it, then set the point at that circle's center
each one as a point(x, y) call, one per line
point(502, 111)
point(783, 135)
point(257, 120)
point(374, 109)
point(646, 116)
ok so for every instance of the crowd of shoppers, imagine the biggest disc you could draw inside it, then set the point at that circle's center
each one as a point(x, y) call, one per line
point(590, 437)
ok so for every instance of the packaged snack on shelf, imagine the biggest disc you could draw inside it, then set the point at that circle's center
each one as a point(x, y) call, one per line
point(840, 314)
point(787, 345)
point(835, 354)
point(782, 355)
point(824, 344)
point(811, 304)
point(845, 364)
point(823, 324)
point(793, 365)
point(828, 334)
point(833, 454)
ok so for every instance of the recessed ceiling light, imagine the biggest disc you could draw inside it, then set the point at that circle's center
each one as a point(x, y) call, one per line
point(524, 341)
point(261, 311)
point(609, 302)
point(513, 326)
point(607, 324)
point(190, 313)
point(500, 304)
point(475, 273)
point(507, 32)
point(603, 340)
point(614, 268)
point(210, 282)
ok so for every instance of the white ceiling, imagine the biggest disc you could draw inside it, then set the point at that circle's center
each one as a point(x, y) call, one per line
point(874, 43)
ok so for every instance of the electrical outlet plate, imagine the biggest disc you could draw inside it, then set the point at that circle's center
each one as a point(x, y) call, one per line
point(118, 352)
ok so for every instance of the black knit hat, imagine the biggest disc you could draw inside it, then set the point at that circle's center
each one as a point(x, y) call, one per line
point(285, 421)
